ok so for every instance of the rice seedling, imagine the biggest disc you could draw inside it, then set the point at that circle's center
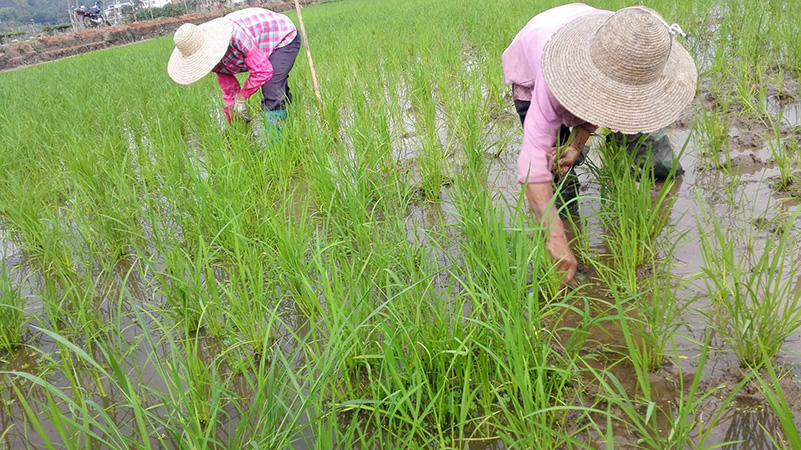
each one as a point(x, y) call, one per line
point(633, 212)
point(784, 152)
point(12, 306)
point(769, 382)
point(754, 301)
point(712, 130)
point(677, 424)
point(375, 278)
point(649, 316)
point(190, 286)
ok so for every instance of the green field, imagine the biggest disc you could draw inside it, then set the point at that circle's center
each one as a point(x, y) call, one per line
point(375, 279)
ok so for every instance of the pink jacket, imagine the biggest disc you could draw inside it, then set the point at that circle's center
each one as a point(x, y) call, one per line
point(522, 67)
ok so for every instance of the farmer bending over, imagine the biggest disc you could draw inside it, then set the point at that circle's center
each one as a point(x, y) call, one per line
point(575, 68)
point(253, 40)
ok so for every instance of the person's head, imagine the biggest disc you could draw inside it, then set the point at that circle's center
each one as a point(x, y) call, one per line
point(624, 71)
point(198, 48)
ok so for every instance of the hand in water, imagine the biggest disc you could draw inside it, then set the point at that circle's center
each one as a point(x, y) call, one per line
point(560, 251)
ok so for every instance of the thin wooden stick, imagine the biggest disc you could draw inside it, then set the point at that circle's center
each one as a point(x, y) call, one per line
point(311, 62)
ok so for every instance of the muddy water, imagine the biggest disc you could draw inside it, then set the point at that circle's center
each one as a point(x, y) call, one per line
point(747, 421)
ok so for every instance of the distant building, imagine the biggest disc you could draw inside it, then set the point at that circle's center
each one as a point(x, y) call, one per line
point(154, 3)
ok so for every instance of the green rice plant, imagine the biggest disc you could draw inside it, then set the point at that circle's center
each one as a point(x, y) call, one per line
point(634, 213)
point(423, 94)
point(769, 384)
point(39, 226)
point(652, 313)
point(190, 286)
point(784, 152)
point(249, 293)
point(12, 306)
point(676, 424)
point(755, 307)
point(712, 130)
point(470, 116)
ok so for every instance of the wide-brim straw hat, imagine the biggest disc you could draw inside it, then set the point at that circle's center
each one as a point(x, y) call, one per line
point(624, 71)
point(198, 48)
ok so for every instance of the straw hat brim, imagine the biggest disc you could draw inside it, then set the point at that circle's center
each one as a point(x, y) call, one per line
point(592, 96)
point(216, 39)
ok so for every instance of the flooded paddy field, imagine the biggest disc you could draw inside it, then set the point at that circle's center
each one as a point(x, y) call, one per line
point(376, 278)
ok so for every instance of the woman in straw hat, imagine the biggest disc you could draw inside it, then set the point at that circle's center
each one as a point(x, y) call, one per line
point(253, 40)
point(575, 68)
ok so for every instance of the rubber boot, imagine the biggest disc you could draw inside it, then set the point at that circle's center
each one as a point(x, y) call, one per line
point(651, 148)
point(272, 124)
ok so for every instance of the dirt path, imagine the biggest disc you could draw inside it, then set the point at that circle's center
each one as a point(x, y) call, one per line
point(48, 48)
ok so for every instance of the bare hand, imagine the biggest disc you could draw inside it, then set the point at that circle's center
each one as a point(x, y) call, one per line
point(560, 251)
point(540, 198)
point(568, 158)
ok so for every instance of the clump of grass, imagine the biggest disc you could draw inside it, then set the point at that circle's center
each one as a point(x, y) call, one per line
point(12, 310)
point(769, 383)
point(712, 130)
point(634, 212)
point(755, 306)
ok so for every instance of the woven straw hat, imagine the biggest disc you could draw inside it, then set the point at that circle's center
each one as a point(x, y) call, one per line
point(624, 71)
point(198, 48)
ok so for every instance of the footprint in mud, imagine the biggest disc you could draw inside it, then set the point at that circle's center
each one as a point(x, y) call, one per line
point(747, 164)
point(790, 188)
point(742, 138)
point(770, 225)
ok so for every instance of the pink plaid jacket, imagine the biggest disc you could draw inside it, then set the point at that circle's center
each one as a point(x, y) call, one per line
point(257, 32)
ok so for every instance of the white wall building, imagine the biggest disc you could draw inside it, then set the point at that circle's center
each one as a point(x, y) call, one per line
point(154, 3)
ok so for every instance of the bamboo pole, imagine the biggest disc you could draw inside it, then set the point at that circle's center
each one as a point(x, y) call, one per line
point(311, 62)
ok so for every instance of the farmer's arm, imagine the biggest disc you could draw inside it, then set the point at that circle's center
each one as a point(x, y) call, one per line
point(540, 198)
point(534, 169)
point(230, 87)
point(260, 71)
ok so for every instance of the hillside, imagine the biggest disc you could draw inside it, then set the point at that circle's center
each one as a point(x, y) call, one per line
point(39, 11)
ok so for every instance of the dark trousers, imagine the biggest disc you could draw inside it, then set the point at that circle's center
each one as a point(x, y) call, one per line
point(276, 91)
point(522, 106)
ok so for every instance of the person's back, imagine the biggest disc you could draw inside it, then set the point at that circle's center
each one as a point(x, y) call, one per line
point(522, 59)
point(268, 29)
